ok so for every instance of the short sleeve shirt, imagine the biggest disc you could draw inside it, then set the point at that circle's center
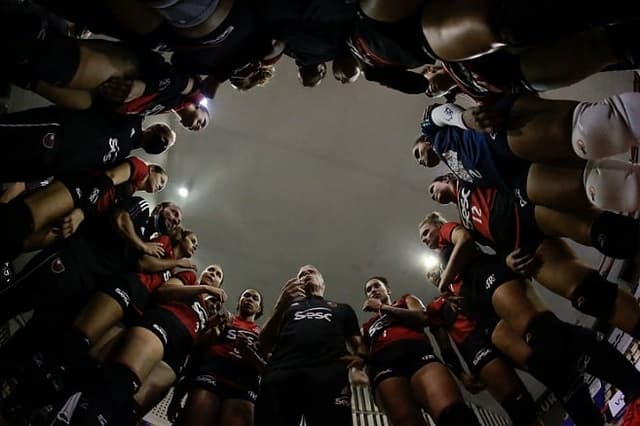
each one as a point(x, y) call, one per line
point(312, 333)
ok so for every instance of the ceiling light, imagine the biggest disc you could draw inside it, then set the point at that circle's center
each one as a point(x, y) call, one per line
point(183, 192)
point(430, 261)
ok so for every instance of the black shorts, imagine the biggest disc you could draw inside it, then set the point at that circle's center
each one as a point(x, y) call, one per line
point(175, 337)
point(530, 235)
point(512, 219)
point(399, 359)
point(518, 183)
point(228, 379)
point(126, 289)
point(321, 394)
point(34, 49)
point(60, 278)
point(477, 351)
point(31, 144)
point(481, 278)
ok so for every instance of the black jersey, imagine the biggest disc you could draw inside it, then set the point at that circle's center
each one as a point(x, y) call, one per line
point(313, 332)
point(101, 232)
point(95, 137)
point(53, 141)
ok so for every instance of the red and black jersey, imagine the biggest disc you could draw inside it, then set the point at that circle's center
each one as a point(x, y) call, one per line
point(193, 314)
point(445, 241)
point(449, 316)
point(139, 173)
point(491, 215)
point(445, 235)
point(153, 280)
point(381, 330)
point(225, 346)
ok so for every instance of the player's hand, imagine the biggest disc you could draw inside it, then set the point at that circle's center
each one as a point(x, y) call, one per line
point(244, 345)
point(215, 291)
point(484, 118)
point(372, 305)
point(220, 320)
point(359, 377)
point(353, 361)
point(471, 383)
point(292, 289)
point(522, 263)
point(186, 264)
point(153, 249)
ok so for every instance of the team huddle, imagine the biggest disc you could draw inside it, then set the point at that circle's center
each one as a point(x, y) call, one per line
point(120, 317)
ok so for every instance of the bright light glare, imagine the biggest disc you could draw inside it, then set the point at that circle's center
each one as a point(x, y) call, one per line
point(204, 102)
point(430, 261)
point(183, 192)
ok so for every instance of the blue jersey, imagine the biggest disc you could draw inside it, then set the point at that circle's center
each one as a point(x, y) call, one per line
point(469, 156)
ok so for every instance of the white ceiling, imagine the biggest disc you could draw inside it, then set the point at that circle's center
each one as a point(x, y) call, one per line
point(286, 175)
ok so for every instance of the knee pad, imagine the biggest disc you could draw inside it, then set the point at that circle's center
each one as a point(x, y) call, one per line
point(561, 380)
point(457, 414)
point(553, 342)
point(521, 408)
point(121, 381)
point(93, 411)
point(595, 296)
point(615, 235)
point(19, 225)
point(613, 184)
point(605, 128)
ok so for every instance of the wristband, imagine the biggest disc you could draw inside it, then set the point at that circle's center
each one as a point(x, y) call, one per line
point(427, 127)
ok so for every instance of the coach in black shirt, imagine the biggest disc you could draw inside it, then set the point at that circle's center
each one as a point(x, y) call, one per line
point(307, 373)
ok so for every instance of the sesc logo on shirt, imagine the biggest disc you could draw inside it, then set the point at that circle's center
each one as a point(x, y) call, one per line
point(314, 314)
point(482, 354)
point(491, 280)
point(114, 149)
